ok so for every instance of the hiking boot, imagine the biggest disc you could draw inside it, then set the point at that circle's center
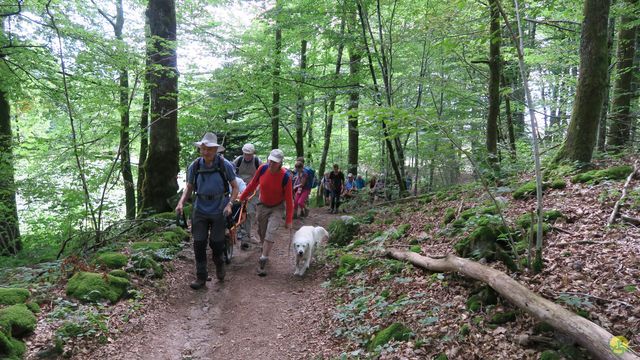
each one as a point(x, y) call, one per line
point(244, 245)
point(305, 212)
point(220, 271)
point(262, 263)
point(198, 284)
point(295, 215)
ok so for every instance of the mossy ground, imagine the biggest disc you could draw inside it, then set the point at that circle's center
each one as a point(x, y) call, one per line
point(595, 176)
point(112, 260)
point(395, 331)
point(341, 232)
point(12, 296)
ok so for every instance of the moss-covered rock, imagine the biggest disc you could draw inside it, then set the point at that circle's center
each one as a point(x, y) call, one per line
point(395, 331)
point(342, 231)
point(12, 296)
point(558, 184)
point(34, 307)
point(503, 317)
point(549, 216)
point(542, 327)
point(17, 320)
point(527, 190)
point(112, 260)
point(449, 215)
point(10, 348)
point(348, 263)
point(488, 240)
point(119, 273)
point(150, 245)
point(595, 176)
point(173, 236)
point(94, 287)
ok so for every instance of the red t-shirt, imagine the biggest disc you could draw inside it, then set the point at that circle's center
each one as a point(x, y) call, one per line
point(272, 192)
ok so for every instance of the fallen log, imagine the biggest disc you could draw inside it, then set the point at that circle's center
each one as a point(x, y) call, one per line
point(589, 335)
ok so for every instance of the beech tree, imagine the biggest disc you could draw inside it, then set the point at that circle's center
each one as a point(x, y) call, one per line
point(161, 166)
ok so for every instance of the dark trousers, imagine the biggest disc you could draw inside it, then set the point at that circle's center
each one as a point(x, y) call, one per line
point(207, 229)
point(335, 199)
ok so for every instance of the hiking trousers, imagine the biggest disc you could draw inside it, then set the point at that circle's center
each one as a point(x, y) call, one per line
point(207, 228)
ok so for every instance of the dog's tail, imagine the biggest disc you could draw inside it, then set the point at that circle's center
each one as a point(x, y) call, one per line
point(324, 235)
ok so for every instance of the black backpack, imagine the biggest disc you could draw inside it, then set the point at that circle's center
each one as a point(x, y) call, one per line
point(218, 167)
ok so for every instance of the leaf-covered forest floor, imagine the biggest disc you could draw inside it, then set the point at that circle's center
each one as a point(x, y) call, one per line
point(352, 292)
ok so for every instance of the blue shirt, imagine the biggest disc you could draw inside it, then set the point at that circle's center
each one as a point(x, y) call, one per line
point(359, 183)
point(211, 199)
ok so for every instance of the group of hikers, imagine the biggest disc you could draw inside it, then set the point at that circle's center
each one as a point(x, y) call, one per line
point(272, 194)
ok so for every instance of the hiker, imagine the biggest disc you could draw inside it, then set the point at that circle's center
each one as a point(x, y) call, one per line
point(349, 188)
point(372, 188)
point(275, 198)
point(209, 177)
point(359, 182)
point(337, 181)
point(301, 190)
point(246, 166)
point(326, 188)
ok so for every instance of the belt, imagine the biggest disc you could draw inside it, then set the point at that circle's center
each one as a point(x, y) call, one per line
point(211, 197)
point(270, 206)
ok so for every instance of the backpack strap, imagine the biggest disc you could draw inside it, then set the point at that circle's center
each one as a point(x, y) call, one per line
point(264, 168)
point(218, 168)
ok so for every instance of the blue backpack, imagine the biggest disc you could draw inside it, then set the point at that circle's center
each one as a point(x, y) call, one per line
point(312, 179)
point(285, 178)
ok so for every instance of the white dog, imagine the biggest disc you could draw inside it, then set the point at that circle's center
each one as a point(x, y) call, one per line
point(305, 242)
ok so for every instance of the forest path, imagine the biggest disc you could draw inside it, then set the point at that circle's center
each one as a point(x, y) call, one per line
point(244, 317)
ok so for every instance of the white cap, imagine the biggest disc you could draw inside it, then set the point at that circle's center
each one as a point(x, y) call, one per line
point(276, 155)
point(350, 175)
point(248, 149)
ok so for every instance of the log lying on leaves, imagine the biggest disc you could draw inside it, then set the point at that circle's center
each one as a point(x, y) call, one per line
point(589, 335)
point(616, 207)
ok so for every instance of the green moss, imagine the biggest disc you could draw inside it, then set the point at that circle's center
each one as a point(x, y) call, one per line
point(416, 249)
point(583, 313)
point(348, 263)
point(549, 216)
point(550, 355)
point(484, 241)
point(482, 296)
point(119, 273)
point(95, 287)
point(341, 232)
point(395, 331)
point(503, 317)
point(34, 307)
point(527, 190)
point(449, 215)
point(16, 320)
point(10, 348)
point(12, 296)
point(595, 176)
point(401, 231)
point(558, 184)
point(173, 236)
point(441, 356)
point(171, 216)
point(112, 260)
point(464, 330)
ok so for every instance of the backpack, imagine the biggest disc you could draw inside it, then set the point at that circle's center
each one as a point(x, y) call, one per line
point(312, 179)
point(217, 168)
point(238, 161)
point(264, 168)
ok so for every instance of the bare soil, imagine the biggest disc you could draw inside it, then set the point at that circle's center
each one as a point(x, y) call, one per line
point(244, 317)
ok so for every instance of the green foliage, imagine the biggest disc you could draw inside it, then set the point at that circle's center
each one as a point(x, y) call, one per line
point(349, 263)
point(595, 176)
point(487, 240)
point(558, 184)
point(12, 296)
point(465, 329)
point(401, 231)
point(10, 348)
point(17, 320)
point(94, 287)
point(119, 273)
point(416, 249)
point(449, 215)
point(395, 331)
point(112, 260)
point(549, 216)
point(527, 190)
point(174, 236)
point(341, 232)
point(441, 356)
point(550, 355)
point(482, 296)
point(144, 265)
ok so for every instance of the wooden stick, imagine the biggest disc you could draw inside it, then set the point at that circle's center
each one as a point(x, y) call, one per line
point(616, 207)
point(630, 220)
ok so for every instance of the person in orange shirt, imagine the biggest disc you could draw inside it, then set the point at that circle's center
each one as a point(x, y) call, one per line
point(275, 197)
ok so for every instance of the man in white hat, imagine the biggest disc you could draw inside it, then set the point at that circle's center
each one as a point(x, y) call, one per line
point(210, 177)
point(246, 166)
point(276, 197)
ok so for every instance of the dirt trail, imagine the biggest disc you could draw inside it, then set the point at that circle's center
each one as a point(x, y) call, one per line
point(244, 317)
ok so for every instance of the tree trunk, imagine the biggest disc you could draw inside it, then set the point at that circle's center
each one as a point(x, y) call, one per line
point(144, 115)
point(510, 129)
point(300, 102)
point(10, 242)
point(275, 101)
point(161, 166)
point(602, 126)
point(589, 335)
point(620, 124)
point(494, 83)
point(352, 109)
point(581, 136)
